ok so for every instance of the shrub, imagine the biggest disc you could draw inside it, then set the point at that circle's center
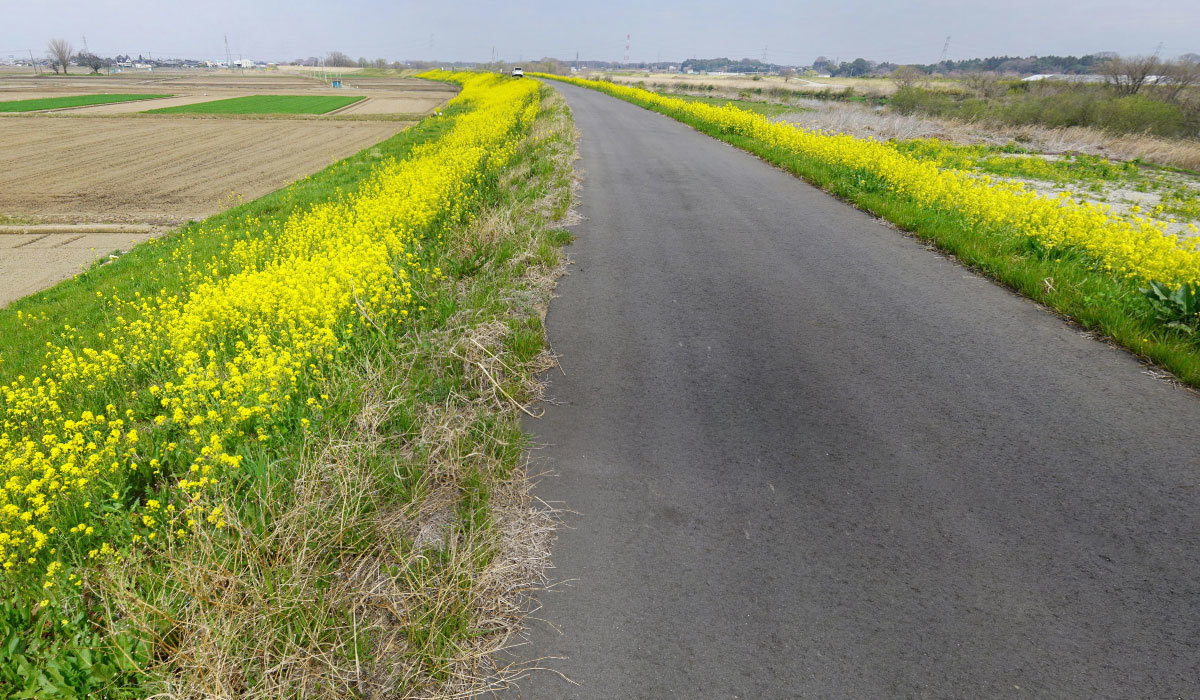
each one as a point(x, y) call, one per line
point(1135, 114)
point(908, 100)
point(1056, 106)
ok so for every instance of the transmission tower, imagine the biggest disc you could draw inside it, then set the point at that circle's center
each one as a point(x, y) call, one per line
point(945, 49)
point(626, 49)
point(228, 56)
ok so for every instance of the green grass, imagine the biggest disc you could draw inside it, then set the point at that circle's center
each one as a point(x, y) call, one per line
point(1013, 161)
point(413, 411)
point(1066, 280)
point(72, 101)
point(768, 109)
point(264, 104)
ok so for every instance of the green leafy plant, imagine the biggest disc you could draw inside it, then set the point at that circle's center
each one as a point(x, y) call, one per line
point(1178, 308)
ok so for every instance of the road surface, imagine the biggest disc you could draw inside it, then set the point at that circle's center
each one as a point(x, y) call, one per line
point(808, 457)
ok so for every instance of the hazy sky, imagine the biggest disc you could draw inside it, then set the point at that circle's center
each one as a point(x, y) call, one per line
point(788, 32)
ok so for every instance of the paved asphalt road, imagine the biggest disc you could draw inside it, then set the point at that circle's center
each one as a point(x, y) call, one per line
point(810, 458)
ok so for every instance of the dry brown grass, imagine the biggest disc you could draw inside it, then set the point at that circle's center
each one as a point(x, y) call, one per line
point(395, 556)
point(735, 83)
point(865, 121)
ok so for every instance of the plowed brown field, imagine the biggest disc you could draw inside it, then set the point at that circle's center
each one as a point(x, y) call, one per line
point(107, 164)
point(161, 171)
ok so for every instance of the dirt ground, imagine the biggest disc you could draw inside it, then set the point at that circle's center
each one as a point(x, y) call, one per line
point(33, 261)
point(161, 171)
point(394, 105)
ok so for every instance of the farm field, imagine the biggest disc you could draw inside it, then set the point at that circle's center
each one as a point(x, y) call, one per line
point(264, 104)
point(398, 95)
point(33, 261)
point(34, 105)
point(161, 171)
point(108, 163)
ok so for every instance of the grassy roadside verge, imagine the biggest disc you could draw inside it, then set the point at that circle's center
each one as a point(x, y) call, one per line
point(383, 547)
point(1067, 278)
point(392, 552)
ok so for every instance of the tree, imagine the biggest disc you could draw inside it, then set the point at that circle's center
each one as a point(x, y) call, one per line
point(906, 77)
point(92, 61)
point(59, 51)
point(787, 74)
point(985, 85)
point(1178, 76)
point(1127, 76)
point(339, 59)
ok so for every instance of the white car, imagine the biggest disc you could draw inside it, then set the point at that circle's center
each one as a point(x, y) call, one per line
point(518, 73)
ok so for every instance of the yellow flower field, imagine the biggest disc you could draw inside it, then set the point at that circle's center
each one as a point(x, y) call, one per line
point(124, 437)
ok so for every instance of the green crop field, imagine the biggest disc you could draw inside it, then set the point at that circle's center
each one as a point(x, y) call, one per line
point(71, 101)
point(264, 104)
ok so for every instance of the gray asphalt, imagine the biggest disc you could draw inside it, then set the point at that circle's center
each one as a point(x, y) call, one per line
point(808, 457)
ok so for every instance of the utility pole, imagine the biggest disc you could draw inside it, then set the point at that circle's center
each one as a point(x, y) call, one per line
point(228, 56)
point(33, 63)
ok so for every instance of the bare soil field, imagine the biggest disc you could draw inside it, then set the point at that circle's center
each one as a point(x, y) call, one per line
point(111, 164)
point(65, 170)
point(33, 261)
point(142, 106)
point(394, 105)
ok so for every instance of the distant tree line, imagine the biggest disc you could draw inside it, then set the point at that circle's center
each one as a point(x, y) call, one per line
point(727, 65)
point(1018, 65)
